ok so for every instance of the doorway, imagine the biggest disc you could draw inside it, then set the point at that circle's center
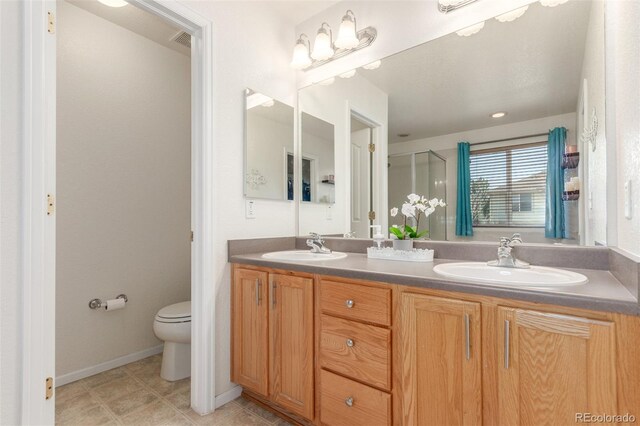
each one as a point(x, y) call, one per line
point(40, 203)
point(362, 146)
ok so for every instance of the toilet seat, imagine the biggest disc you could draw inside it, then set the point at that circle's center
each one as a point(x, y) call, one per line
point(176, 313)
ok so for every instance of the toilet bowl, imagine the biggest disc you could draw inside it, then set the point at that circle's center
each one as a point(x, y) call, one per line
point(173, 325)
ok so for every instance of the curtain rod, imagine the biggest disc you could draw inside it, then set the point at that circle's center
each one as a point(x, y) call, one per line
point(509, 139)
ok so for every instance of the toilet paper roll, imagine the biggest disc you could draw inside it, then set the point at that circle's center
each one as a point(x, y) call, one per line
point(114, 304)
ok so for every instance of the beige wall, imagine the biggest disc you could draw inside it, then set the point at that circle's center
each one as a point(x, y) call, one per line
point(123, 176)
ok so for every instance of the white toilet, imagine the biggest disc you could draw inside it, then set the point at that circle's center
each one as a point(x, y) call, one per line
point(173, 325)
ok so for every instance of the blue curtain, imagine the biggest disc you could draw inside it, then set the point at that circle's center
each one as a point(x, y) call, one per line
point(554, 212)
point(464, 220)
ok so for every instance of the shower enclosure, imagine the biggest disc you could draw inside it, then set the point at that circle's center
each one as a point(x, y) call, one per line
point(422, 173)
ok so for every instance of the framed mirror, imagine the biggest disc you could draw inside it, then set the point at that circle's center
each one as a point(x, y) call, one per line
point(502, 89)
point(268, 154)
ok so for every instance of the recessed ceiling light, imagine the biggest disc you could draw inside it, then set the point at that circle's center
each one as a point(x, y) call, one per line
point(498, 114)
point(114, 3)
point(404, 135)
point(373, 65)
point(348, 74)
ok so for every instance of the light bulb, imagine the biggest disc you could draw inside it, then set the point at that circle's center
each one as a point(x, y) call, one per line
point(498, 114)
point(300, 59)
point(347, 37)
point(469, 31)
point(114, 3)
point(513, 15)
point(322, 48)
point(373, 65)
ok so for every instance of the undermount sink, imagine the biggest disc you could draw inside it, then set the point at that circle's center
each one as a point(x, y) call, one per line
point(534, 276)
point(303, 255)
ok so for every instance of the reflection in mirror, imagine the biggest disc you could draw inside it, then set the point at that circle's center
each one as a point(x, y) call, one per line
point(318, 163)
point(268, 148)
point(521, 93)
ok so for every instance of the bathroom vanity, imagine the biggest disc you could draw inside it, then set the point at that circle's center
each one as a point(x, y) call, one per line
point(373, 342)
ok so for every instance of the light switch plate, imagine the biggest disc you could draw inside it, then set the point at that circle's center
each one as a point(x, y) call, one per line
point(627, 199)
point(250, 209)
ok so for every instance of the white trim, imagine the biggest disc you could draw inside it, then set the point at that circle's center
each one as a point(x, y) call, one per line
point(38, 240)
point(109, 365)
point(228, 396)
point(38, 229)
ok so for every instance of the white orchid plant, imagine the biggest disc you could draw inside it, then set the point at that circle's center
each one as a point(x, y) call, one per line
point(414, 208)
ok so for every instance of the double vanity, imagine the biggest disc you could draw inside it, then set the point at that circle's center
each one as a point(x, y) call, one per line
point(339, 339)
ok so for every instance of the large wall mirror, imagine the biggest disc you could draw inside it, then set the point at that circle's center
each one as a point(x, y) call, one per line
point(269, 164)
point(523, 91)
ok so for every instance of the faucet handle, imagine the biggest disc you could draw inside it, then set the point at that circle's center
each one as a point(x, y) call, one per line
point(515, 238)
point(315, 236)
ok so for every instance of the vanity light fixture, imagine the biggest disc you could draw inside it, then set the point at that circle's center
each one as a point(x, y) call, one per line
point(469, 31)
point(323, 45)
point(513, 15)
point(348, 74)
point(446, 6)
point(114, 3)
point(324, 50)
point(373, 65)
point(301, 57)
point(347, 37)
point(552, 3)
point(499, 114)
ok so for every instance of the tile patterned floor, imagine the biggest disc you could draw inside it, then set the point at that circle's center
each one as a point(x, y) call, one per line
point(136, 395)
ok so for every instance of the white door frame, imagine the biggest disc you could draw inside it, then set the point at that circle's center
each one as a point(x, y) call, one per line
point(38, 228)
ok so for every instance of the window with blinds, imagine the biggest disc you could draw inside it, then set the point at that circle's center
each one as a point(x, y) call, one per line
point(508, 186)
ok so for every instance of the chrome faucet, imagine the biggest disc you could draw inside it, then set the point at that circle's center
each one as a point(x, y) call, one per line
point(506, 259)
point(317, 244)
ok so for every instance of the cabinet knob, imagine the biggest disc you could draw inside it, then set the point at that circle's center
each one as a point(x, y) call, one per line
point(349, 402)
point(350, 343)
point(349, 303)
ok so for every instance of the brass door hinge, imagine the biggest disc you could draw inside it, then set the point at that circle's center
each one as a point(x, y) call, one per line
point(372, 147)
point(48, 390)
point(51, 206)
point(372, 215)
point(51, 23)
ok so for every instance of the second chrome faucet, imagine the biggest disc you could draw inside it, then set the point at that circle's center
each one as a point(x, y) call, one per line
point(317, 244)
point(506, 258)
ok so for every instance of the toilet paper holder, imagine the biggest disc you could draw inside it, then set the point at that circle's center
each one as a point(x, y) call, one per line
point(97, 303)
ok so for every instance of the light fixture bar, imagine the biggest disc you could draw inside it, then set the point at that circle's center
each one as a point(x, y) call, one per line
point(366, 37)
point(451, 7)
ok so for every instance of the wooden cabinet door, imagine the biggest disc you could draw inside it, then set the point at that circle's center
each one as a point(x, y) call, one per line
point(291, 343)
point(440, 361)
point(250, 330)
point(553, 367)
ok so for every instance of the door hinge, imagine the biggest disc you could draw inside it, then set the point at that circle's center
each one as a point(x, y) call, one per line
point(51, 206)
point(51, 23)
point(48, 389)
point(192, 236)
point(372, 215)
point(372, 147)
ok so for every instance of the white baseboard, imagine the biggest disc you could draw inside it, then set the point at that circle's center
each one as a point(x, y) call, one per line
point(228, 396)
point(114, 363)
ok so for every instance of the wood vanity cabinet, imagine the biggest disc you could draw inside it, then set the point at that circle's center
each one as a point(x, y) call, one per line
point(554, 366)
point(272, 317)
point(441, 361)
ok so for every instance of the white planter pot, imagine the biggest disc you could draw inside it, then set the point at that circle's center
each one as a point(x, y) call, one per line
point(403, 244)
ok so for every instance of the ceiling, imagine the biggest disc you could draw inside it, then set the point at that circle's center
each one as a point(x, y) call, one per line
point(296, 11)
point(529, 67)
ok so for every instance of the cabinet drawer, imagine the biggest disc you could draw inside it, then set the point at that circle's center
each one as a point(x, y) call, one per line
point(357, 350)
point(354, 301)
point(368, 406)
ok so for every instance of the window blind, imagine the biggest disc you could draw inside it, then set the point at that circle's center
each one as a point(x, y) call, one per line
point(508, 186)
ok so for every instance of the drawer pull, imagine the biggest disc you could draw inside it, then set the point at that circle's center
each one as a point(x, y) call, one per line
point(349, 303)
point(349, 402)
point(350, 343)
